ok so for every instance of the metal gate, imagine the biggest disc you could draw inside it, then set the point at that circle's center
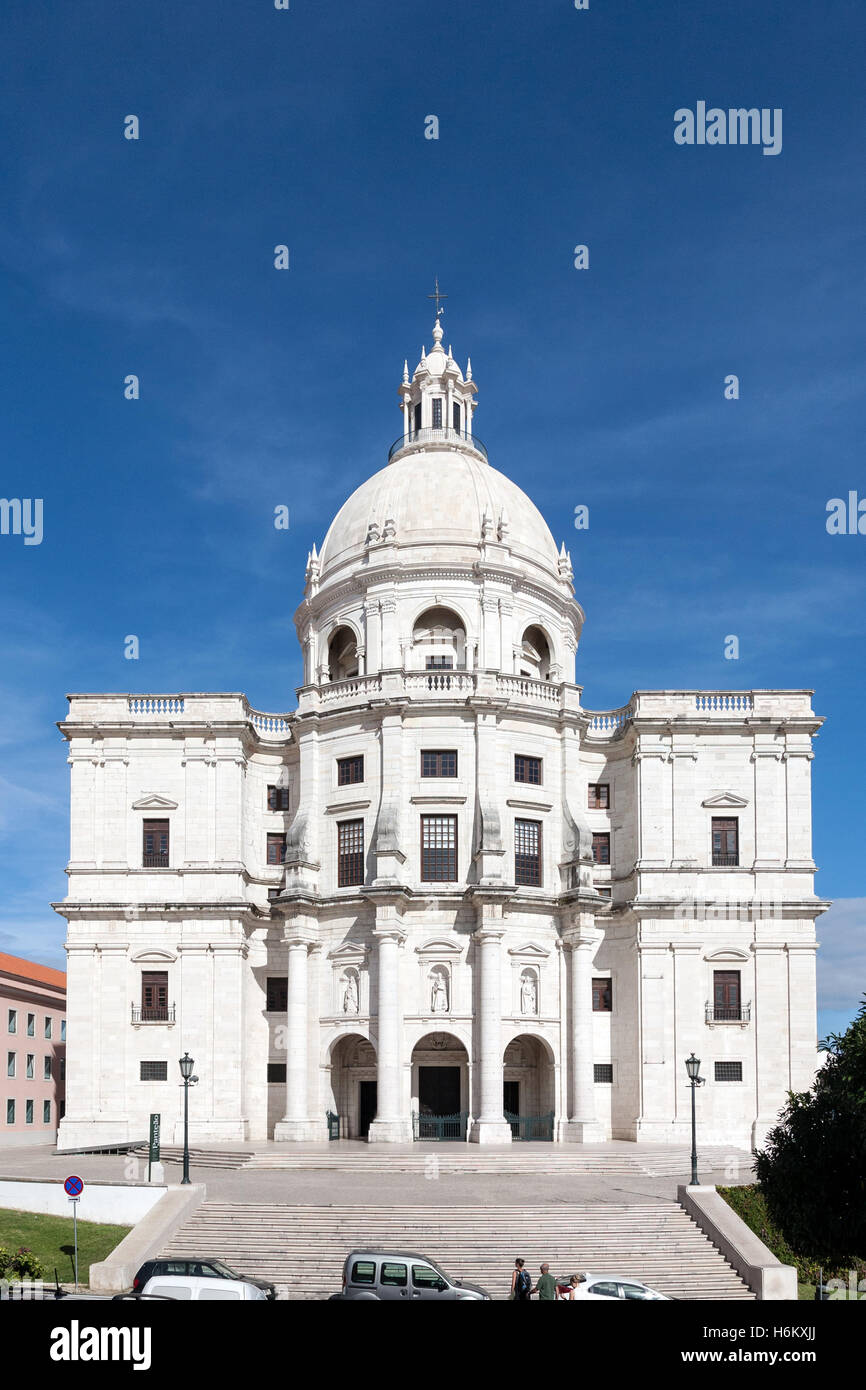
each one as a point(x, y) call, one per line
point(333, 1125)
point(531, 1127)
point(440, 1126)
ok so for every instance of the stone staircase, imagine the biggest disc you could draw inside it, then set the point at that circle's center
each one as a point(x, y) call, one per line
point(302, 1248)
point(446, 1160)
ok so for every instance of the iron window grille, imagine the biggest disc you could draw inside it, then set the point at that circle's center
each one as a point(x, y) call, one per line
point(350, 853)
point(153, 1071)
point(277, 1073)
point(527, 852)
point(439, 849)
point(527, 770)
point(602, 1073)
point(728, 1071)
point(277, 994)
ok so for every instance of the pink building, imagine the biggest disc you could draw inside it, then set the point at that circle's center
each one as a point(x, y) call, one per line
point(33, 1024)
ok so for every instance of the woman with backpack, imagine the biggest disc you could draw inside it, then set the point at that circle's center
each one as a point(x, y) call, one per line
point(521, 1283)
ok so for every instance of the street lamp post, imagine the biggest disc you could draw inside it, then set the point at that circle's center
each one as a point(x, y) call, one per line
point(693, 1067)
point(186, 1065)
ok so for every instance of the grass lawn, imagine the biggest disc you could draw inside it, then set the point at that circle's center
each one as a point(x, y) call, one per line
point(50, 1239)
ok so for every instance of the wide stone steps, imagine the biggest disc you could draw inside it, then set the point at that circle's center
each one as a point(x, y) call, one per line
point(303, 1247)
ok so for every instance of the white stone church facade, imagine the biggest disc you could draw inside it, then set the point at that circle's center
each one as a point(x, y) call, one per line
point(440, 898)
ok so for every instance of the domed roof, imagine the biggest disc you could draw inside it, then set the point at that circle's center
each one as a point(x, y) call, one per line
point(438, 498)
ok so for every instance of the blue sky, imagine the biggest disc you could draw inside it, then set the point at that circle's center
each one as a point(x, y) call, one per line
point(260, 387)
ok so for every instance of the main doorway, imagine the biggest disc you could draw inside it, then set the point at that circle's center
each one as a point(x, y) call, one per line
point(440, 1087)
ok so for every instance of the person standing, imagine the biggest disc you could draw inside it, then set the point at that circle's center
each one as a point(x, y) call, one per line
point(546, 1286)
point(521, 1283)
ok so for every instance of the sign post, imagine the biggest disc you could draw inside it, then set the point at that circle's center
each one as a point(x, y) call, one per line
point(73, 1187)
point(153, 1148)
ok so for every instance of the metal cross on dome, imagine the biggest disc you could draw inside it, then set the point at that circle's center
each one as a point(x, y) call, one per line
point(437, 296)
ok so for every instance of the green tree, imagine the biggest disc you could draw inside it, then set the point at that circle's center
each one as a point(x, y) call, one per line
point(812, 1171)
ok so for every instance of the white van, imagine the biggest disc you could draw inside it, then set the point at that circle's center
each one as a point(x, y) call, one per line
point(188, 1286)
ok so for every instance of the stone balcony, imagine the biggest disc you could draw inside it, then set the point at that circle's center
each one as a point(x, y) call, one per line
point(700, 707)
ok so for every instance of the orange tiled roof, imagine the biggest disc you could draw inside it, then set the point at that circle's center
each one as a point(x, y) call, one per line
point(29, 970)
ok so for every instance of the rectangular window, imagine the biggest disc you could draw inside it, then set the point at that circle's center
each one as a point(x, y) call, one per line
point(31, 1025)
point(726, 847)
point(598, 796)
point(153, 1071)
point(13, 1020)
point(437, 413)
point(455, 415)
point(602, 995)
point(46, 1112)
point(527, 770)
point(393, 1274)
point(439, 663)
point(48, 1027)
point(349, 770)
point(31, 1065)
point(63, 1030)
point(729, 1071)
point(154, 996)
point(439, 849)
point(62, 1110)
point(278, 798)
point(726, 996)
point(601, 847)
point(417, 417)
point(276, 849)
point(10, 1063)
point(350, 853)
point(277, 1073)
point(278, 994)
point(602, 1073)
point(363, 1272)
point(438, 764)
point(46, 1069)
point(10, 1112)
point(527, 852)
point(155, 844)
point(62, 1070)
point(28, 1112)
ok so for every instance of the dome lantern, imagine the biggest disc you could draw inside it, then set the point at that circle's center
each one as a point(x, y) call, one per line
point(438, 403)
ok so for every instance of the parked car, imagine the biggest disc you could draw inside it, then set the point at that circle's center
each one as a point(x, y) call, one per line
point(607, 1286)
point(199, 1269)
point(390, 1275)
point(203, 1289)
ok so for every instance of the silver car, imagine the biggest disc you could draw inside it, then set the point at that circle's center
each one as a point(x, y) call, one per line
point(608, 1286)
point(391, 1275)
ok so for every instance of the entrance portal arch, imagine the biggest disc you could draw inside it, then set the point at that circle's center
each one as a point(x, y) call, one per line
point(353, 1084)
point(440, 1087)
point(529, 1087)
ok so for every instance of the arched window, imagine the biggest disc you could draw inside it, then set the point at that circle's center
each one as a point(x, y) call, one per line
point(342, 655)
point(535, 654)
point(439, 640)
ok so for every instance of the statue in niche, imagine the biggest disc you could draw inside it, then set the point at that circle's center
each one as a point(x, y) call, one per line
point(438, 993)
point(528, 994)
point(350, 993)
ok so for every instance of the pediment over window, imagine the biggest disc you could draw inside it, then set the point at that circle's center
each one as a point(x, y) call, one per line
point(349, 953)
point(440, 946)
point(730, 953)
point(529, 951)
point(154, 803)
point(725, 799)
point(153, 953)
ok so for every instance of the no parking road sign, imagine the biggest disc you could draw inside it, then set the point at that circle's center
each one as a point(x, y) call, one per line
point(73, 1187)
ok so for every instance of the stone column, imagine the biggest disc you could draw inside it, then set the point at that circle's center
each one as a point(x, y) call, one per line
point(392, 1124)
point(490, 1127)
point(297, 1124)
point(582, 943)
